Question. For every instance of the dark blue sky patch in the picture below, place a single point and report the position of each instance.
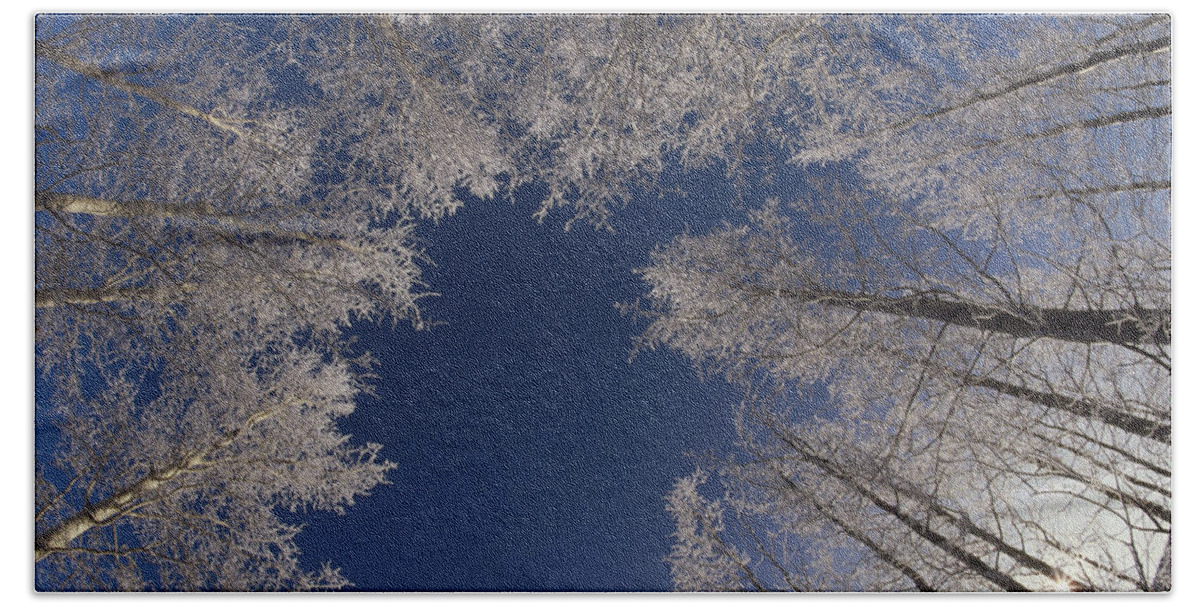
(532, 453)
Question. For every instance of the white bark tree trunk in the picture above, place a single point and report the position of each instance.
(59, 536)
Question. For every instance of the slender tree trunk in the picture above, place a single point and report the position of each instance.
(201, 213)
(964, 523)
(1092, 61)
(1129, 479)
(1150, 508)
(865, 540)
(1124, 453)
(1108, 189)
(119, 502)
(917, 525)
(888, 557)
(936, 508)
(973, 562)
(51, 297)
(1086, 408)
(1162, 574)
(49, 52)
(1108, 120)
(90, 205)
(1117, 326)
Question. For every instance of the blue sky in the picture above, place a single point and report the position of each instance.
(533, 454)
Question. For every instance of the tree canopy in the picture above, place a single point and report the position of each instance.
(991, 325)
(954, 340)
(192, 279)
